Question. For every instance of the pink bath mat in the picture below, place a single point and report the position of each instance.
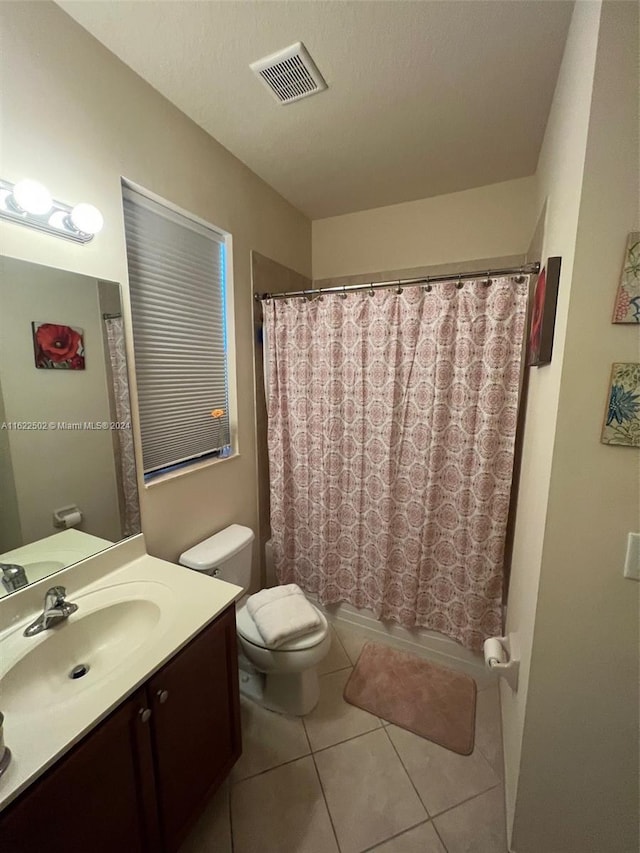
(428, 700)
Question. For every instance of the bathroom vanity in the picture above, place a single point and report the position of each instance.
(125, 757)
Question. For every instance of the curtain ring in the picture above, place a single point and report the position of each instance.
(459, 284)
(371, 293)
(343, 295)
(398, 288)
(427, 287)
(487, 283)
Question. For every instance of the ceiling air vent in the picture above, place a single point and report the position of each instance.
(289, 74)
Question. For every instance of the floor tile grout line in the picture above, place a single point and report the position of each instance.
(326, 803)
(306, 734)
(333, 671)
(355, 737)
(435, 829)
(340, 643)
(263, 772)
(346, 740)
(373, 848)
(353, 662)
(312, 751)
(500, 773)
(424, 805)
(468, 800)
(381, 725)
(477, 746)
(393, 746)
(431, 817)
(269, 769)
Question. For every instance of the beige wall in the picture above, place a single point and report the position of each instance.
(488, 222)
(10, 531)
(78, 119)
(558, 183)
(56, 468)
(578, 786)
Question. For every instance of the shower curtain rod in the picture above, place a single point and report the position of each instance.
(524, 269)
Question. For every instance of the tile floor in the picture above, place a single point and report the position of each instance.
(343, 781)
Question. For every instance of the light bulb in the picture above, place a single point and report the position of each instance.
(87, 218)
(32, 196)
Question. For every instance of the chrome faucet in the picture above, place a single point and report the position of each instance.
(56, 610)
(13, 576)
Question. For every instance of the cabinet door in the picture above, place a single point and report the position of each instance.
(97, 798)
(195, 725)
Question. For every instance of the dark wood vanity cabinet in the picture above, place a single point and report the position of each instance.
(137, 782)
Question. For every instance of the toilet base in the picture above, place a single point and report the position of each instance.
(294, 693)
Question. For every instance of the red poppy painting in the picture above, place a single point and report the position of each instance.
(543, 314)
(58, 347)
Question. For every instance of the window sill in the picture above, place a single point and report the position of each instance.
(189, 469)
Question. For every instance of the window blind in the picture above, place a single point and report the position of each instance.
(177, 283)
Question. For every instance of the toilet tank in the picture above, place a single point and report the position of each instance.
(225, 555)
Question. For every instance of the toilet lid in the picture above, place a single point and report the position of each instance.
(248, 630)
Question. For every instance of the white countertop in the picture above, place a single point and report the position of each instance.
(46, 556)
(189, 601)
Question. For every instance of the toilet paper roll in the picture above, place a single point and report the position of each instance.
(494, 652)
(72, 519)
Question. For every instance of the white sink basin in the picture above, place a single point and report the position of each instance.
(41, 569)
(111, 626)
(47, 556)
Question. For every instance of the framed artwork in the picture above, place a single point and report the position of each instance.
(58, 347)
(627, 307)
(543, 314)
(622, 418)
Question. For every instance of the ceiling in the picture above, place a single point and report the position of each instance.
(424, 97)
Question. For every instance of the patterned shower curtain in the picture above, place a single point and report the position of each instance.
(392, 420)
(127, 483)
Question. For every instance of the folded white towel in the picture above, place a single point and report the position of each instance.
(282, 613)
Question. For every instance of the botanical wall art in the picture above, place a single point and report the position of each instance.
(543, 316)
(627, 307)
(59, 347)
(622, 419)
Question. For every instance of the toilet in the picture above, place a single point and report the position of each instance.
(283, 679)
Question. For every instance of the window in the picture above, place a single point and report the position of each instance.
(177, 286)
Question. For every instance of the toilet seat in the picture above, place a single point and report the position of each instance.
(248, 630)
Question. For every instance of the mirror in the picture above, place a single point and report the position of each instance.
(68, 484)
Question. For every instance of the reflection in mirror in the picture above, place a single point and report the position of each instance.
(67, 469)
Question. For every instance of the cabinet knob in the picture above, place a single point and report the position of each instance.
(144, 714)
(162, 695)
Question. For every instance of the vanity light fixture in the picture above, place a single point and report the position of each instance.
(29, 203)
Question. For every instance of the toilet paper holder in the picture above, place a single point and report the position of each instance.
(501, 656)
(67, 516)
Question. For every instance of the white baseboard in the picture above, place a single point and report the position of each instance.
(419, 641)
